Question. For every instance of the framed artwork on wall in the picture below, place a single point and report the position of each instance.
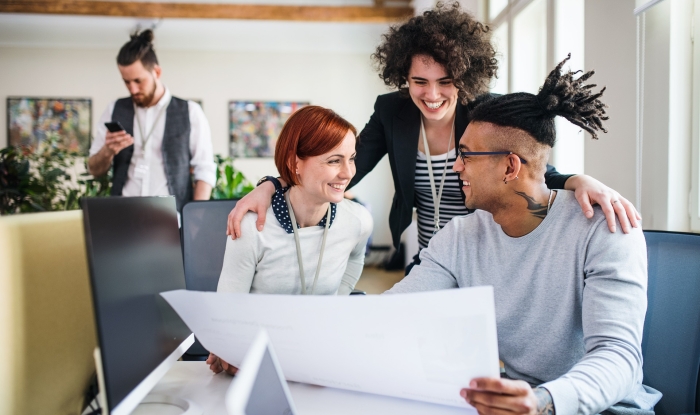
(33, 120)
(255, 125)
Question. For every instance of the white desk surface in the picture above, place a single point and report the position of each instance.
(194, 381)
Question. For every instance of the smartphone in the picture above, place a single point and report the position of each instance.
(114, 126)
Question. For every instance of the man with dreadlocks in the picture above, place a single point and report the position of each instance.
(570, 296)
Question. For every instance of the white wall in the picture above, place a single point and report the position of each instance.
(667, 116)
(665, 146)
(695, 134)
(610, 42)
(655, 123)
(680, 115)
(325, 64)
(656, 117)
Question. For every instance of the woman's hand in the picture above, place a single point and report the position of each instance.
(589, 190)
(256, 201)
(217, 365)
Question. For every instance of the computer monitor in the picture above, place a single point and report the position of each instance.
(259, 387)
(134, 254)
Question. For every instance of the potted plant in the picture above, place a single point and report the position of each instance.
(230, 183)
(38, 179)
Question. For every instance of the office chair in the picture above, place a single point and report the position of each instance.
(204, 242)
(47, 324)
(203, 247)
(671, 341)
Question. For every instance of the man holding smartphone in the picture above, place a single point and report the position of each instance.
(155, 143)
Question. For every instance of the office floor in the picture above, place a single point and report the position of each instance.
(377, 280)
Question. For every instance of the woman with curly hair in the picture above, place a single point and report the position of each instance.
(441, 63)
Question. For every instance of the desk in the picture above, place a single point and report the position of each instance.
(194, 381)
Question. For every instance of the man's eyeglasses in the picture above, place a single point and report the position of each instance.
(465, 154)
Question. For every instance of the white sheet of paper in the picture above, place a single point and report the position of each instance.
(422, 346)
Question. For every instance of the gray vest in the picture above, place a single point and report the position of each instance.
(175, 148)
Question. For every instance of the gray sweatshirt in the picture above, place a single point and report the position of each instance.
(570, 301)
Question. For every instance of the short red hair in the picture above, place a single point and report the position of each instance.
(310, 131)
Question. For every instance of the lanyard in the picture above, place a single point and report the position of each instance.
(436, 196)
(296, 239)
(144, 137)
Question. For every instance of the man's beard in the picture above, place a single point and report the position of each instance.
(146, 100)
(486, 203)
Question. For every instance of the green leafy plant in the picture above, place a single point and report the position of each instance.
(38, 179)
(88, 186)
(14, 181)
(230, 183)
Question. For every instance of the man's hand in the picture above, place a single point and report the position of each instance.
(589, 190)
(116, 142)
(99, 163)
(217, 365)
(256, 201)
(495, 396)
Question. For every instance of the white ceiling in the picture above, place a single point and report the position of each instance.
(57, 31)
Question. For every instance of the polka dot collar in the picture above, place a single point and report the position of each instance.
(279, 207)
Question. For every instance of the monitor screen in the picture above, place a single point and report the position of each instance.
(133, 248)
(259, 387)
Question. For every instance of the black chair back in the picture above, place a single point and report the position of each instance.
(204, 242)
(203, 247)
(671, 342)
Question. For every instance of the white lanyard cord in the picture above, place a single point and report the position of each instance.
(144, 137)
(436, 196)
(296, 239)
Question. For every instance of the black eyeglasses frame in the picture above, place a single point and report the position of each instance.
(463, 154)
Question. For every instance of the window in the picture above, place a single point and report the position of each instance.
(529, 53)
(496, 7)
(531, 37)
(500, 42)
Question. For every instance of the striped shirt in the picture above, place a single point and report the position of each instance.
(451, 204)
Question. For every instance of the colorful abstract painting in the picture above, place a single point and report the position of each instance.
(255, 125)
(33, 120)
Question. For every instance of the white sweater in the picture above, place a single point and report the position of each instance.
(266, 262)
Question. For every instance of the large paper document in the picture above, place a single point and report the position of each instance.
(422, 346)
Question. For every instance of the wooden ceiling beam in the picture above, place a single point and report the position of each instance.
(208, 11)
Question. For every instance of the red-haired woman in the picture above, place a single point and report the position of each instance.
(315, 239)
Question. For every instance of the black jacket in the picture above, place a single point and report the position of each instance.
(393, 129)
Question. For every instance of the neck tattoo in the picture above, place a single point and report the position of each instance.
(537, 209)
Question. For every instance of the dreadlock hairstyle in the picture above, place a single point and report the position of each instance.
(139, 48)
(560, 95)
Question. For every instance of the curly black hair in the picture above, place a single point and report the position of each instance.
(561, 95)
(449, 35)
